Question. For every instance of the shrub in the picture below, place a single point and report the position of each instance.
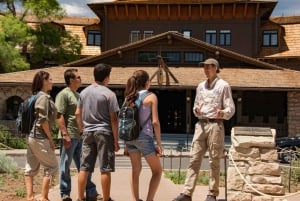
(11, 141)
(7, 164)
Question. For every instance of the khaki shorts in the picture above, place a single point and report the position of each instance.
(97, 144)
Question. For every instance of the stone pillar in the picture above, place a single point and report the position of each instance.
(255, 158)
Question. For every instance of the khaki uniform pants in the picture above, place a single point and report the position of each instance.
(208, 136)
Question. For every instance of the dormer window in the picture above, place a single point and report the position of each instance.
(94, 38)
(270, 38)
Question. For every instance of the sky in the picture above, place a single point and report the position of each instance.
(80, 8)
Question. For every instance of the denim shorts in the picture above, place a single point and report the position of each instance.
(144, 144)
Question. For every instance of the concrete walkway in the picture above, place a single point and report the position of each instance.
(120, 189)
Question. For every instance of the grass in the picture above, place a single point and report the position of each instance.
(203, 178)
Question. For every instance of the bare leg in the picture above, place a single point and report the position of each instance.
(136, 165)
(29, 187)
(45, 187)
(82, 180)
(105, 182)
(156, 169)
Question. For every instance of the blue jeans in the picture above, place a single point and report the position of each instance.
(66, 156)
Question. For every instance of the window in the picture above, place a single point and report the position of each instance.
(134, 36)
(211, 37)
(94, 38)
(147, 57)
(225, 37)
(270, 38)
(193, 57)
(187, 33)
(171, 56)
(148, 34)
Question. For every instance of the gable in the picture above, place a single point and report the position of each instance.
(127, 55)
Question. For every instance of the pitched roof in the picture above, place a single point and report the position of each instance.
(67, 20)
(188, 77)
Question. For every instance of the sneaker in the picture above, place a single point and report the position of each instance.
(66, 198)
(211, 198)
(183, 197)
(98, 197)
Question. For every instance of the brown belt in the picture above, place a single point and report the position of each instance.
(207, 120)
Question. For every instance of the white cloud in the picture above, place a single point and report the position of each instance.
(75, 9)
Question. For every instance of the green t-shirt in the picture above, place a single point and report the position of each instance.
(66, 103)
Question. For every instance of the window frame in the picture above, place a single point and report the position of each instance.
(268, 36)
(225, 37)
(211, 35)
(193, 55)
(94, 39)
(148, 33)
(132, 36)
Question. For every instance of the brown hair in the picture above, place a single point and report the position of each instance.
(37, 83)
(135, 83)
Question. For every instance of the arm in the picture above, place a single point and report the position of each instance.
(114, 127)
(156, 123)
(228, 104)
(45, 126)
(78, 115)
(62, 126)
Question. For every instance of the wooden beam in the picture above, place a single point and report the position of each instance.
(211, 10)
(157, 8)
(178, 6)
(147, 10)
(223, 10)
(257, 8)
(245, 9)
(169, 11)
(137, 10)
(190, 11)
(116, 11)
(200, 10)
(234, 10)
(105, 10)
(126, 10)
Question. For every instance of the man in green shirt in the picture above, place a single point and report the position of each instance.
(71, 143)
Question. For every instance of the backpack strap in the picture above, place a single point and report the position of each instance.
(139, 101)
(141, 97)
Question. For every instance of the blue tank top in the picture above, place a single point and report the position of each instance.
(145, 117)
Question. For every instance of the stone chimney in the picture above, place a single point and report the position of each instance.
(255, 156)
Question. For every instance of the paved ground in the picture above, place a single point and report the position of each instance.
(120, 190)
(121, 186)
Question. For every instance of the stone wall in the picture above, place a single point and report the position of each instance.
(293, 113)
(6, 92)
(253, 168)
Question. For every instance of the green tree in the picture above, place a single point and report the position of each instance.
(21, 45)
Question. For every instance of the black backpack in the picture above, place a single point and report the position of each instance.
(26, 118)
(128, 118)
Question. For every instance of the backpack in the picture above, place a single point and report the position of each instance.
(128, 119)
(25, 118)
